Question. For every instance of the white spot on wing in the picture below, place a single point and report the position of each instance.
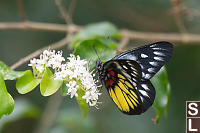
(156, 48)
(144, 55)
(144, 93)
(143, 74)
(133, 74)
(141, 98)
(159, 53)
(125, 67)
(153, 63)
(134, 84)
(147, 76)
(158, 58)
(134, 79)
(151, 70)
(153, 45)
(133, 68)
(141, 66)
(130, 64)
(145, 86)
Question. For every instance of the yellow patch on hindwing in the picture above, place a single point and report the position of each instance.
(128, 84)
(132, 92)
(123, 85)
(121, 77)
(123, 94)
(112, 94)
(121, 99)
(129, 101)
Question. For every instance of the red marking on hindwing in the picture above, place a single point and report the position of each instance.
(109, 83)
(111, 80)
(111, 72)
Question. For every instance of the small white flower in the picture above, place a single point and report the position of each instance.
(72, 91)
(33, 62)
(91, 96)
(56, 60)
(71, 84)
(72, 88)
(87, 96)
(58, 76)
(40, 66)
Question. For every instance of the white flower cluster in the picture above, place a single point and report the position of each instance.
(47, 59)
(74, 72)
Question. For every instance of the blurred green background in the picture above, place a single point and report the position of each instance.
(142, 15)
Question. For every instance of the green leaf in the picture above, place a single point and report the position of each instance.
(6, 100)
(82, 102)
(106, 49)
(8, 73)
(13, 75)
(97, 30)
(163, 92)
(48, 85)
(4, 69)
(26, 82)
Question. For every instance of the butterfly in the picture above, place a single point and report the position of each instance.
(127, 76)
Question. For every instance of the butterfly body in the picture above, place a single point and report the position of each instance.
(126, 76)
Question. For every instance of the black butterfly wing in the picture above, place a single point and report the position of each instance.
(123, 82)
(147, 94)
(150, 57)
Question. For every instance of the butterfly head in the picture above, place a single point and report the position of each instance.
(100, 68)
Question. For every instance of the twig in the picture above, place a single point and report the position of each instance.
(72, 7)
(39, 26)
(63, 11)
(49, 114)
(56, 45)
(21, 10)
(124, 41)
(176, 9)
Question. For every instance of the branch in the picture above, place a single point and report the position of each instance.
(171, 37)
(124, 41)
(176, 9)
(56, 45)
(72, 7)
(39, 26)
(21, 10)
(132, 35)
(63, 11)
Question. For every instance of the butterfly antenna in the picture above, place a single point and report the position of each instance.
(96, 53)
